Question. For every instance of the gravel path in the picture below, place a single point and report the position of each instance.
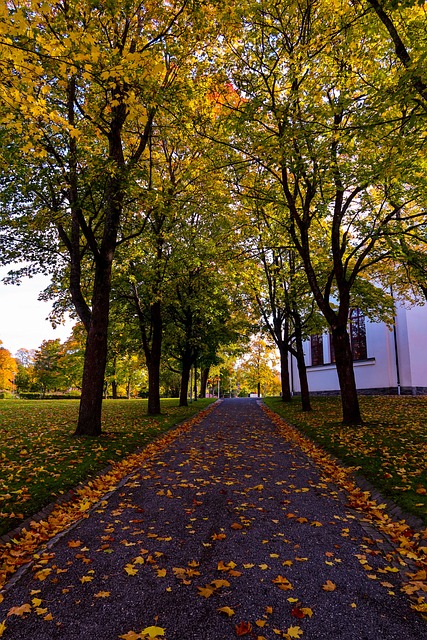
(231, 517)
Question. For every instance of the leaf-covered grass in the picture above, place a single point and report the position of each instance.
(40, 459)
(390, 448)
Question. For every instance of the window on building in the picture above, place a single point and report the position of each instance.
(316, 349)
(358, 334)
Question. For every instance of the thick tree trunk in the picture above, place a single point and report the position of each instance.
(154, 388)
(284, 373)
(259, 389)
(204, 375)
(95, 357)
(185, 378)
(344, 363)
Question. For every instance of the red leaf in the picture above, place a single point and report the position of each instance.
(243, 628)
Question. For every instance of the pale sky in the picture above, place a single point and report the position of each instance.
(23, 318)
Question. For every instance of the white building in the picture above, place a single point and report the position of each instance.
(386, 361)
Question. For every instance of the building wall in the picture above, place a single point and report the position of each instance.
(379, 373)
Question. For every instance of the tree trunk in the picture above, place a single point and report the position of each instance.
(153, 356)
(154, 388)
(344, 363)
(302, 369)
(259, 389)
(195, 383)
(303, 380)
(185, 377)
(95, 357)
(204, 375)
(284, 373)
(114, 389)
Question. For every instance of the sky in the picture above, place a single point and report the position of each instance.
(23, 322)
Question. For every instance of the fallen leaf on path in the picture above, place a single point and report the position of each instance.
(153, 632)
(226, 610)
(243, 628)
(19, 611)
(329, 586)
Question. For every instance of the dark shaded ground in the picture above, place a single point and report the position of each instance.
(229, 491)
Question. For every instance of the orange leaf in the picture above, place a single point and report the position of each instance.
(329, 586)
(19, 611)
(236, 526)
(218, 536)
(73, 544)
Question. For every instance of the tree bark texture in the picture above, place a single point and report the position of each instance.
(153, 357)
(204, 375)
(95, 361)
(302, 369)
(284, 373)
(344, 363)
(185, 378)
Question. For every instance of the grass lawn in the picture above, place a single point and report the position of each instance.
(390, 448)
(40, 459)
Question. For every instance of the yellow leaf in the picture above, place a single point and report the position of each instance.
(102, 594)
(48, 617)
(130, 570)
(294, 632)
(86, 579)
(307, 611)
(42, 575)
(153, 632)
(2, 628)
(161, 573)
(283, 583)
(206, 591)
(220, 583)
(36, 602)
(227, 610)
(260, 623)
